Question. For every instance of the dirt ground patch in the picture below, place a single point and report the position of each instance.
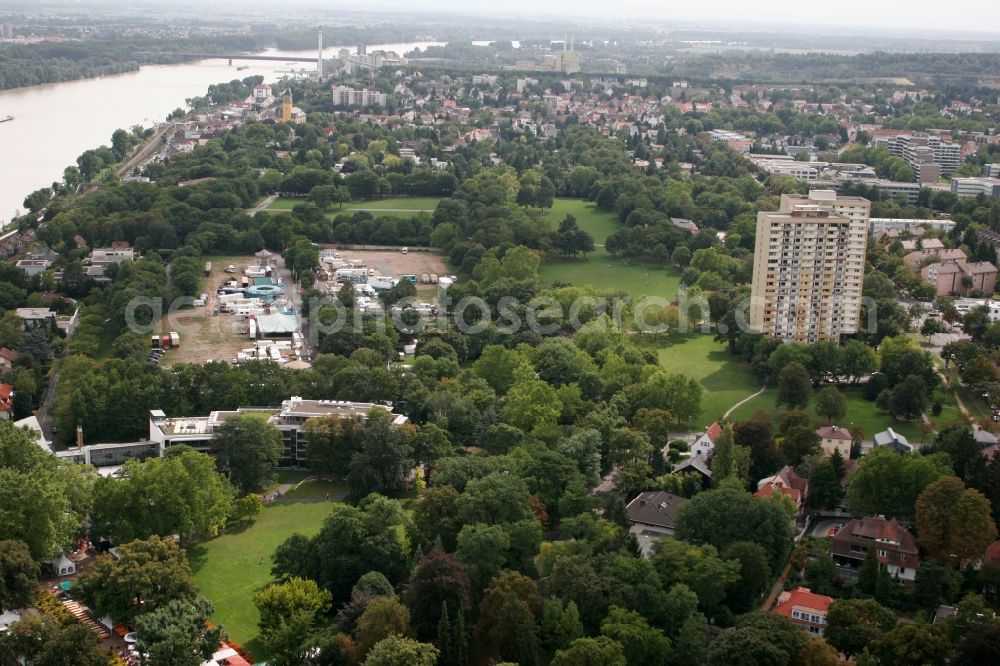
(207, 337)
(395, 263)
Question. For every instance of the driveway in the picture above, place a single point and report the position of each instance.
(822, 529)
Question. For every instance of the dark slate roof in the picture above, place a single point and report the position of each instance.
(655, 508)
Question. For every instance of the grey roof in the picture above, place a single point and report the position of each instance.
(655, 508)
(890, 437)
(984, 438)
(697, 463)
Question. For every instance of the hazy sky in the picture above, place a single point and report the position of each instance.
(974, 15)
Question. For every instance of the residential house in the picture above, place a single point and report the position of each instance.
(705, 444)
(921, 244)
(804, 608)
(989, 567)
(960, 277)
(893, 439)
(33, 267)
(984, 438)
(35, 317)
(834, 438)
(6, 401)
(921, 257)
(7, 358)
(685, 224)
(111, 255)
(653, 515)
(788, 483)
(895, 546)
(697, 464)
(31, 424)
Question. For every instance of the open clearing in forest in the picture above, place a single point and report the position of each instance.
(600, 269)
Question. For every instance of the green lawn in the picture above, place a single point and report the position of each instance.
(397, 203)
(228, 569)
(316, 489)
(600, 269)
(860, 412)
(725, 379)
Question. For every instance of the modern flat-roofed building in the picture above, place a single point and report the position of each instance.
(973, 187)
(809, 266)
(198, 431)
(344, 96)
(879, 224)
(922, 150)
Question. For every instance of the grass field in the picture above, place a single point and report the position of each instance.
(725, 379)
(860, 412)
(228, 569)
(317, 489)
(408, 204)
(600, 269)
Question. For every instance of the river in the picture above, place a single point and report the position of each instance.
(54, 123)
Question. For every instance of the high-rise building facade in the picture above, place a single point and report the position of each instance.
(809, 265)
(344, 96)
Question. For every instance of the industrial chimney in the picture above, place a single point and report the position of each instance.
(319, 56)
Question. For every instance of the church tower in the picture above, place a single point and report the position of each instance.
(286, 105)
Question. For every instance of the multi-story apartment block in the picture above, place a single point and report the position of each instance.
(923, 151)
(344, 96)
(973, 187)
(809, 266)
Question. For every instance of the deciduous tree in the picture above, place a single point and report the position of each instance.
(954, 522)
(246, 449)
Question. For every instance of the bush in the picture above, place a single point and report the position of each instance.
(679, 445)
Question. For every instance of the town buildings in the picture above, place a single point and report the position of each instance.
(895, 547)
(809, 267)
